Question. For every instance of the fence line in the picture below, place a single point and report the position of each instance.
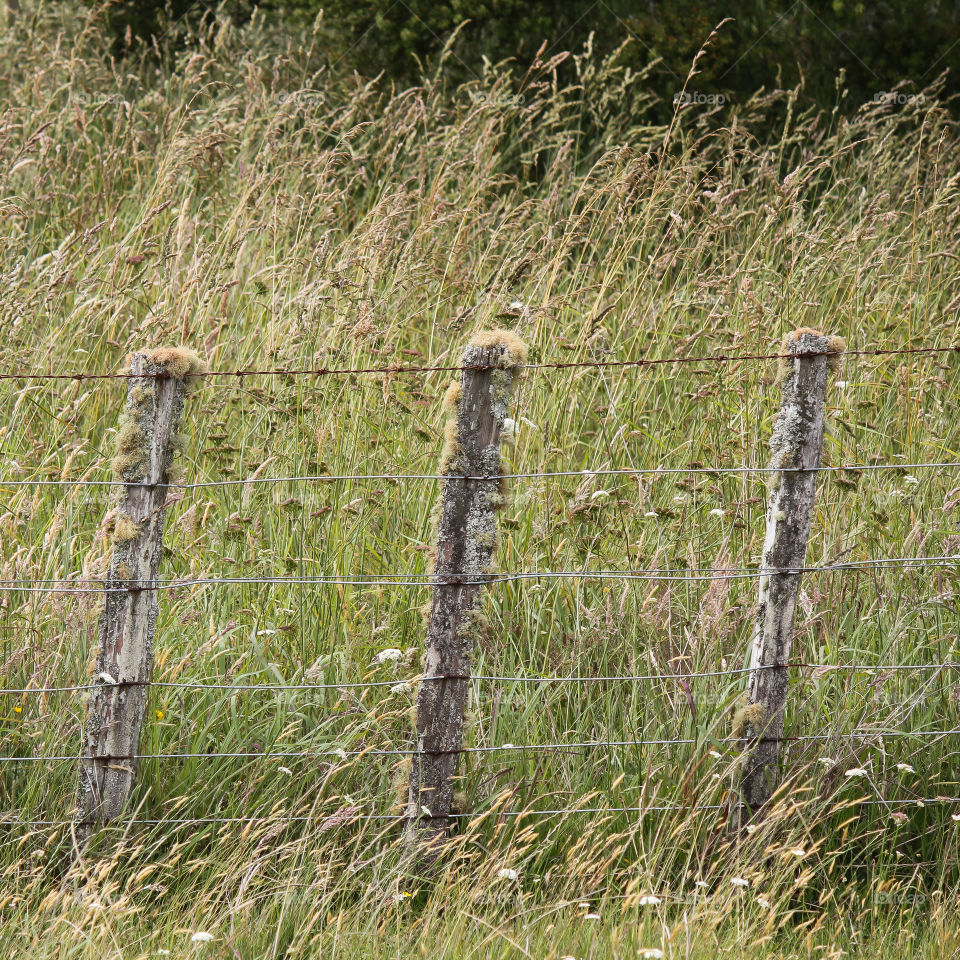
(492, 678)
(503, 748)
(557, 365)
(342, 818)
(671, 574)
(586, 472)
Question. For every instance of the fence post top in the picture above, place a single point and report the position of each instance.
(808, 340)
(514, 350)
(180, 363)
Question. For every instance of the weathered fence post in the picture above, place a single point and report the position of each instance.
(466, 540)
(797, 445)
(147, 442)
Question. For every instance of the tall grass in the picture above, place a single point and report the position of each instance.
(235, 200)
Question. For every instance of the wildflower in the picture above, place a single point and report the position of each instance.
(752, 828)
(18, 709)
(906, 768)
(855, 772)
(651, 513)
(799, 852)
(591, 916)
(391, 654)
(599, 493)
(341, 753)
(716, 754)
(739, 882)
(842, 384)
(400, 688)
(910, 480)
(898, 816)
(286, 770)
(650, 953)
(648, 900)
(201, 936)
(159, 714)
(516, 306)
(763, 902)
(701, 883)
(953, 816)
(717, 512)
(106, 678)
(505, 873)
(827, 761)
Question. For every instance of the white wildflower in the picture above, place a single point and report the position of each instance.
(955, 817)
(201, 936)
(701, 883)
(842, 384)
(752, 828)
(648, 900)
(599, 493)
(827, 761)
(764, 902)
(799, 852)
(739, 882)
(391, 654)
(591, 916)
(505, 873)
(716, 754)
(651, 513)
(906, 768)
(650, 953)
(286, 770)
(341, 753)
(717, 512)
(910, 480)
(855, 772)
(400, 688)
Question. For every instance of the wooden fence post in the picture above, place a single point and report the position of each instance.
(797, 445)
(146, 445)
(466, 540)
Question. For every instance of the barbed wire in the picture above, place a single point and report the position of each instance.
(502, 748)
(344, 817)
(534, 475)
(719, 358)
(674, 574)
(481, 677)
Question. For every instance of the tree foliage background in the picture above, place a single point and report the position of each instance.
(877, 45)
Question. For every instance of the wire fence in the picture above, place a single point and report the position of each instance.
(80, 584)
(393, 369)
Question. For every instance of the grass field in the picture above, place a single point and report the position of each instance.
(271, 217)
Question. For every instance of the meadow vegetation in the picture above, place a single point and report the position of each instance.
(237, 201)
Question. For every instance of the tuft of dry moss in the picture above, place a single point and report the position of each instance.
(451, 398)
(451, 447)
(835, 347)
(514, 352)
(750, 716)
(125, 529)
(180, 362)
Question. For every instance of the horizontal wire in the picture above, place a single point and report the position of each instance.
(343, 818)
(504, 748)
(680, 574)
(617, 472)
(493, 678)
(558, 365)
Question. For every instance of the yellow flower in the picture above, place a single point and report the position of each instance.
(18, 709)
(159, 714)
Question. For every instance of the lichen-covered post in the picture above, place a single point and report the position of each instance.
(148, 441)
(797, 445)
(466, 540)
